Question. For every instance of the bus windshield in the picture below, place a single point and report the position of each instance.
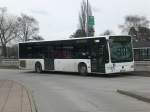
(120, 49)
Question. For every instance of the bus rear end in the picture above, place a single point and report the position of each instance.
(121, 55)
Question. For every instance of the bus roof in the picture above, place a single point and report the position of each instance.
(105, 36)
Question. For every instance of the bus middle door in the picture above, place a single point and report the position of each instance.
(97, 63)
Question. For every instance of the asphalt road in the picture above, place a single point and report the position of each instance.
(60, 92)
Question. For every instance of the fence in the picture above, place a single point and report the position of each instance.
(9, 62)
(142, 65)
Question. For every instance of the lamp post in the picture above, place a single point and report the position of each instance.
(87, 18)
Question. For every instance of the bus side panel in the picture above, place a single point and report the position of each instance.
(70, 65)
(49, 64)
(29, 64)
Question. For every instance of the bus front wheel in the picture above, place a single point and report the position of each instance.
(82, 69)
(38, 68)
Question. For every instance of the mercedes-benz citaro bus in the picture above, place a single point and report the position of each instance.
(103, 55)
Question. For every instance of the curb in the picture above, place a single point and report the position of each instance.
(32, 100)
(134, 95)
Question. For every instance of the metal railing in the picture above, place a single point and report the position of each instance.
(9, 62)
(142, 65)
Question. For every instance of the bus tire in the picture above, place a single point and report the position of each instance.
(82, 69)
(38, 67)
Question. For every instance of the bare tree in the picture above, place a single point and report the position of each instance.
(78, 33)
(37, 37)
(28, 28)
(83, 16)
(137, 27)
(13, 51)
(8, 27)
(134, 21)
(82, 30)
(107, 32)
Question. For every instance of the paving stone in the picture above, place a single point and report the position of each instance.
(14, 97)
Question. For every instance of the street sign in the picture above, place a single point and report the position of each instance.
(91, 21)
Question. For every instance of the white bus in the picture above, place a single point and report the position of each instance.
(105, 55)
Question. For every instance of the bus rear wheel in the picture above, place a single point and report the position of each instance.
(82, 69)
(38, 68)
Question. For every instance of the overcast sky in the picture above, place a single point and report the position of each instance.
(58, 19)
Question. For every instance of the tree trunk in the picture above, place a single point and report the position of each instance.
(4, 50)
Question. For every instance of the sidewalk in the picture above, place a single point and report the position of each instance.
(14, 97)
(143, 96)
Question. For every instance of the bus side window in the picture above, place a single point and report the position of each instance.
(50, 52)
(79, 52)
